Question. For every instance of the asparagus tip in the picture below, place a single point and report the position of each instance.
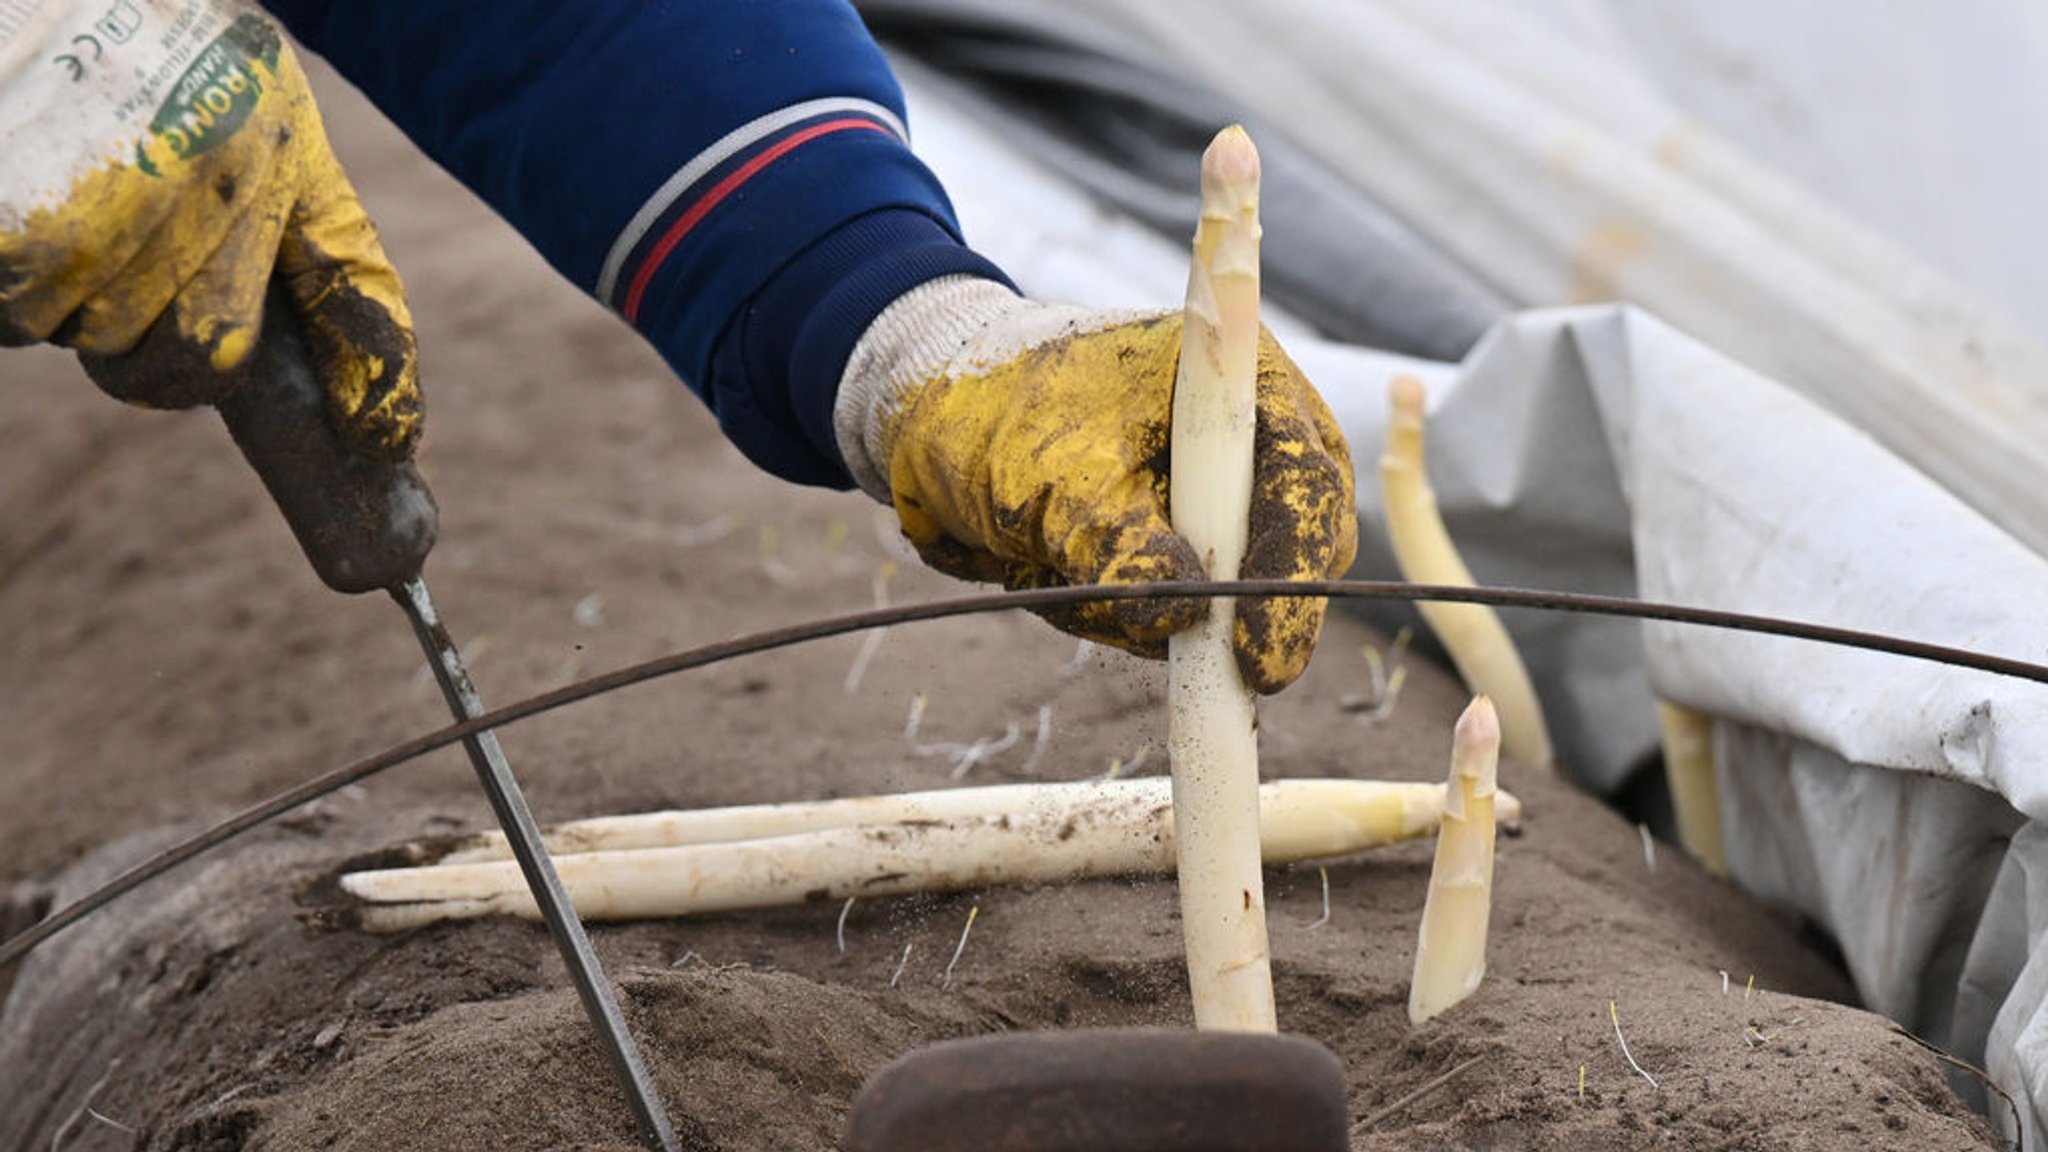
(1478, 727)
(1231, 162)
(1407, 394)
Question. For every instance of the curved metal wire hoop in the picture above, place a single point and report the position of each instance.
(22, 943)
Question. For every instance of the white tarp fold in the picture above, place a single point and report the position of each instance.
(1599, 449)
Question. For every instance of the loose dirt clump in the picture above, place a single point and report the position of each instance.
(170, 658)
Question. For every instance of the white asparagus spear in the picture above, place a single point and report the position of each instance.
(1211, 731)
(1450, 950)
(1695, 792)
(1471, 633)
(938, 841)
(1381, 812)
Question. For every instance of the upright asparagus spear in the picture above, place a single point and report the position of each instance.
(1472, 633)
(1695, 794)
(1211, 715)
(1450, 951)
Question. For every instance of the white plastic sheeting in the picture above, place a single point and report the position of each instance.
(1130, 131)
(1560, 178)
(1923, 121)
(1603, 449)
(1603, 444)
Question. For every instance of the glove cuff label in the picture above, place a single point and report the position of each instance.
(88, 83)
(215, 95)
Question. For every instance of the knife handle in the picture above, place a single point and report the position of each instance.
(364, 524)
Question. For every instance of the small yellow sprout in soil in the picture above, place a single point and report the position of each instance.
(1450, 951)
(1471, 633)
(1614, 1014)
(946, 982)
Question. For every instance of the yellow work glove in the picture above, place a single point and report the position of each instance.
(1026, 444)
(163, 162)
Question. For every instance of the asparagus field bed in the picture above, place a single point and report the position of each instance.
(170, 657)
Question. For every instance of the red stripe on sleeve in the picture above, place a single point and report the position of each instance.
(673, 235)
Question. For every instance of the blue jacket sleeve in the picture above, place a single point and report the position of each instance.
(731, 176)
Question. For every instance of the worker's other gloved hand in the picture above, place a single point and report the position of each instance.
(163, 160)
(1027, 444)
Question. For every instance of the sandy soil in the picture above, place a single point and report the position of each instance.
(170, 657)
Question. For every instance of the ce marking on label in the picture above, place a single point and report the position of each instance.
(116, 25)
(77, 63)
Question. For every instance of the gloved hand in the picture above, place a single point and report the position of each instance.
(1027, 444)
(164, 162)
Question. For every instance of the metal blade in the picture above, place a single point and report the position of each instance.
(517, 821)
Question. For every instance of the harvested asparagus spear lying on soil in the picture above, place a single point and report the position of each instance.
(761, 856)
(1350, 815)
(1472, 634)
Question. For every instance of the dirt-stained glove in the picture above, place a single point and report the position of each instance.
(1027, 444)
(164, 161)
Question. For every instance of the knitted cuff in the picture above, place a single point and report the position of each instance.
(947, 329)
(914, 340)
